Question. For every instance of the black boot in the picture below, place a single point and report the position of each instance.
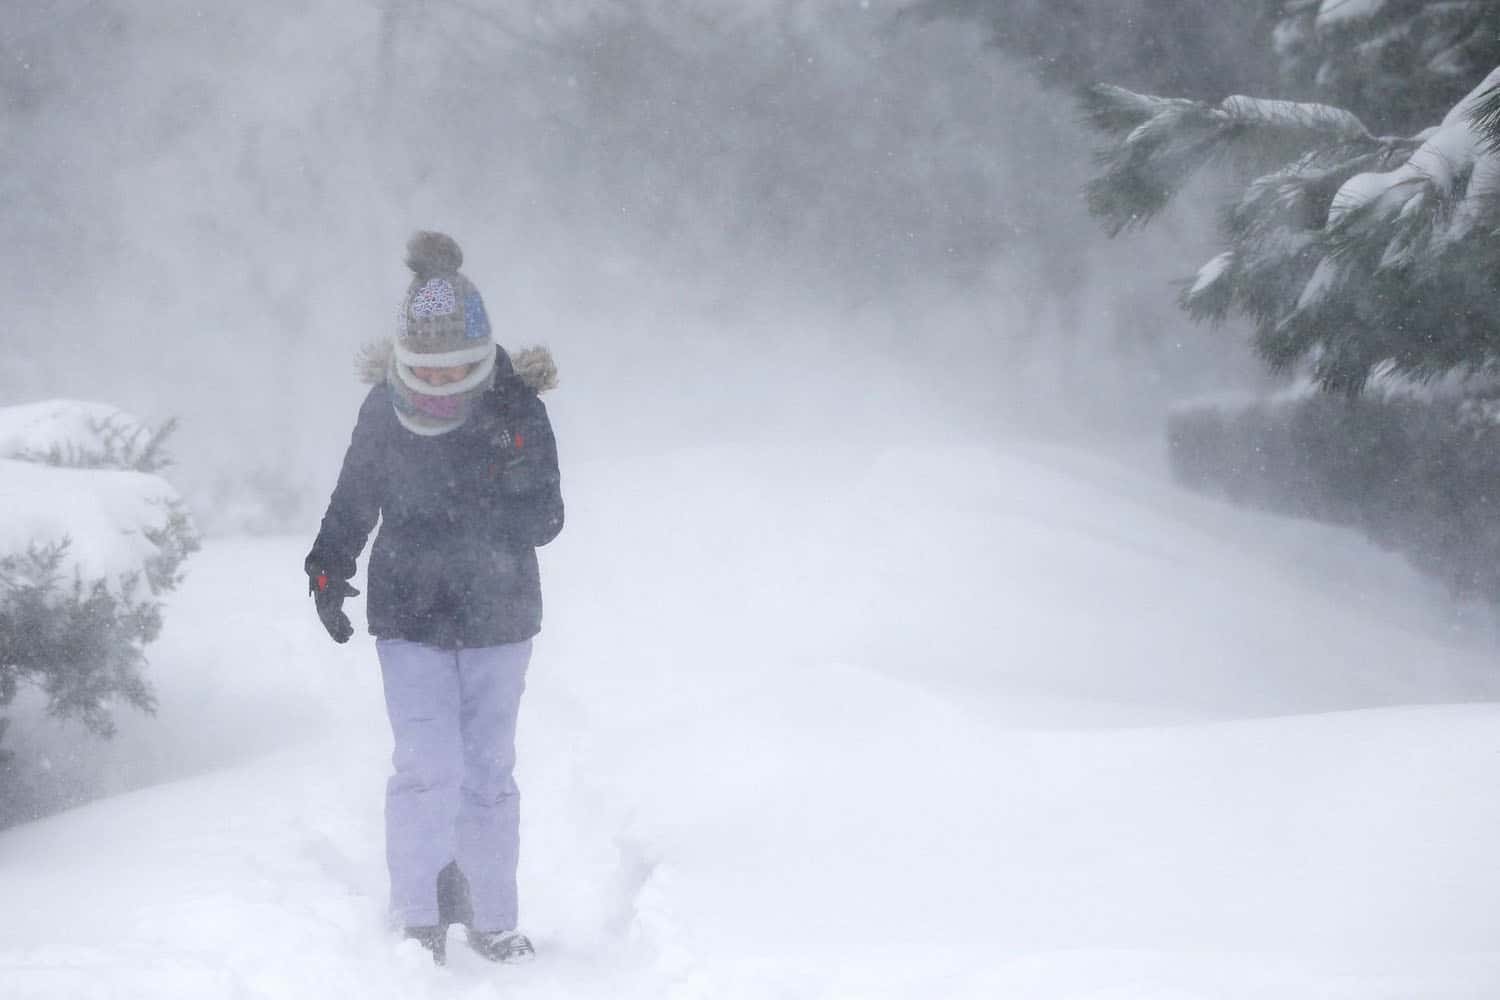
(510, 947)
(453, 896)
(434, 939)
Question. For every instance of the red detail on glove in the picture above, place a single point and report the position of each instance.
(520, 441)
(322, 581)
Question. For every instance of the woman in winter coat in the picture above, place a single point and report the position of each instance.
(453, 454)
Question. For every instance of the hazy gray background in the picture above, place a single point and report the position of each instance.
(726, 219)
(831, 635)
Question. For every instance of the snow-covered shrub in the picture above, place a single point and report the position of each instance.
(92, 538)
(1416, 468)
(81, 643)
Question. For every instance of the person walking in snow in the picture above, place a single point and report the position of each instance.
(453, 453)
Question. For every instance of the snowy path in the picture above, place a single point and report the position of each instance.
(966, 725)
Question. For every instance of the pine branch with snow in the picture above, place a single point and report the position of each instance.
(1486, 117)
(1401, 62)
(1162, 142)
(112, 442)
(1355, 254)
(78, 641)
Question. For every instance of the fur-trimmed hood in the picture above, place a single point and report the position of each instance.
(534, 366)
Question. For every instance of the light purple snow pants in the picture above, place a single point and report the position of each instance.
(452, 796)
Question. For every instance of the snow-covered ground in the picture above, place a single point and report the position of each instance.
(970, 723)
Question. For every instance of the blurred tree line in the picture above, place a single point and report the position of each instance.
(1198, 48)
(832, 150)
(234, 172)
(774, 141)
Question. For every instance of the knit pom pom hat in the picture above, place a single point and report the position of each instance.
(442, 325)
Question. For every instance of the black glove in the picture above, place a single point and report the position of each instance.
(328, 593)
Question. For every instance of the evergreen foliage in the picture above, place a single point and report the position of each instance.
(80, 641)
(1164, 141)
(1364, 258)
(1400, 63)
(115, 444)
(1486, 118)
(1351, 250)
(1356, 254)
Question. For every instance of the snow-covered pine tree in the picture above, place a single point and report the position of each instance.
(1399, 63)
(1351, 252)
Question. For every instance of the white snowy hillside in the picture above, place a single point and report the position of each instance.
(936, 723)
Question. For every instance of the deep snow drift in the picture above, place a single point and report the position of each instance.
(104, 513)
(922, 723)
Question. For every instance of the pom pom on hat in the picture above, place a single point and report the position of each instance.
(429, 254)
